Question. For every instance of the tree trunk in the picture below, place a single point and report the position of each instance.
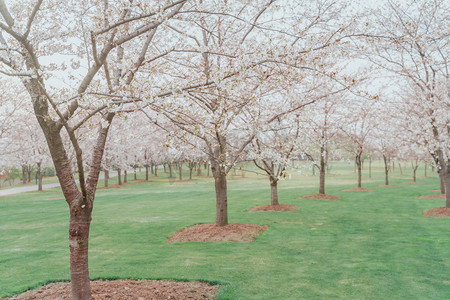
(220, 180)
(441, 181)
(191, 169)
(170, 170)
(135, 171)
(322, 173)
(180, 168)
(370, 167)
(414, 174)
(119, 178)
(24, 174)
(106, 177)
(29, 170)
(146, 172)
(358, 166)
(425, 169)
(151, 167)
(447, 184)
(273, 191)
(199, 170)
(208, 171)
(156, 170)
(386, 170)
(125, 179)
(322, 181)
(80, 220)
(164, 166)
(39, 176)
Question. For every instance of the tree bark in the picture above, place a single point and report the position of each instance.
(400, 166)
(119, 178)
(322, 173)
(414, 167)
(125, 179)
(191, 169)
(29, 170)
(273, 191)
(135, 173)
(106, 177)
(425, 169)
(220, 181)
(24, 174)
(180, 168)
(151, 167)
(199, 169)
(358, 166)
(170, 170)
(80, 220)
(39, 176)
(441, 181)
(447, 184)
(156, 170)
(146, 172)
(386, 170)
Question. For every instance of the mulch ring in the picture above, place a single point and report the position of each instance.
(212, 233)
(321, 197)
(389, 186)
(439, 212)
(358, 190)
(279, 207)
(436, 196)
(126, 290)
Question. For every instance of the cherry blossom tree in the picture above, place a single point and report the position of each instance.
(356, 132)
(234, 49)
(273, 149)
(410, 40)
(321, 124)
(88, 33)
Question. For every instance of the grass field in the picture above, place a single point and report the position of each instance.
(367, 245)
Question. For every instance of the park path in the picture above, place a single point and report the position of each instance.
(34, 188)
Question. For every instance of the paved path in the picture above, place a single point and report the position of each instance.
(34, 188)
(24, 189)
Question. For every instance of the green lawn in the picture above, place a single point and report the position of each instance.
(367, 245)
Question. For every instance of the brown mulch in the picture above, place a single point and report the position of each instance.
(279, 207)
(358, 190)
(439, 212)
(412, 182)
(321, 197)
(389, 186)
(126, 290)
(211, 233)
(436, 196)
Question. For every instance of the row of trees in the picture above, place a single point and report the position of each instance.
(220, 80)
